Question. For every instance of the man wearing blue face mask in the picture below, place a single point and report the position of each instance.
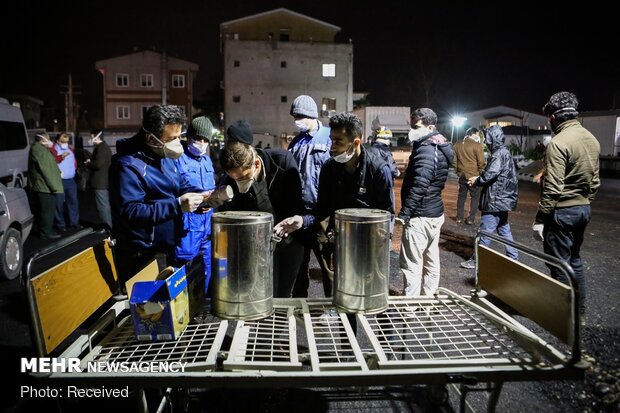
(353, 178)
(311, 150)
(265, 180)
(197, 171)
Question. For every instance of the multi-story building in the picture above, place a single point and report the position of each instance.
(271, 58)
(134, 82)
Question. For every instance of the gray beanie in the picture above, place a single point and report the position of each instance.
(201, 126)
(304, 105)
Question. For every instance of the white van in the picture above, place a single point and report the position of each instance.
(14, 146)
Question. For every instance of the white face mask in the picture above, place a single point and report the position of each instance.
(64, 145)
(301, 125)
(172, 149)
(416, 134)
(345, 156)
(244, 185)
(197, 148)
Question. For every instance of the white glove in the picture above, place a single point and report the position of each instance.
(219, 196)
(538, 231)
(288, 225)
(190, 201)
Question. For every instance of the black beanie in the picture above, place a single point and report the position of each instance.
(240, 131)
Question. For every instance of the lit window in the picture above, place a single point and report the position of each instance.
(122, 112)
(178, 81)
(502, 123)
(329, 70)
(122, 80)
(146, 80)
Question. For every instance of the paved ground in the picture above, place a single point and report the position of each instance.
(602, 332)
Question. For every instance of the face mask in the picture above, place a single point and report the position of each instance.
(345, 156)
(64, 145)
(301, 125)
(416, 134)
(244, 185)
(172, 149)
(197, 148)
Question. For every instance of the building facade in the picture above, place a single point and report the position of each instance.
(271, 58)
(134, 82)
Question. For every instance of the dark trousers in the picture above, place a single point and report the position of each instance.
(102, 199)
(563, 236)
(46, 207)
(315, 241)
(67, 203)
(474, 195)
(286, 261)
(129, 261)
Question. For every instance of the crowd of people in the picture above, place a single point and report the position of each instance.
(158, 193)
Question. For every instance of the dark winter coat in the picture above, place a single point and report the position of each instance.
(499, 182)
(425, 177)
(99, 166)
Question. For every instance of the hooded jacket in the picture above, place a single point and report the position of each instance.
(499, 182)
(425, 177)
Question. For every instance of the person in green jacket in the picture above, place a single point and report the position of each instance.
(44, 181)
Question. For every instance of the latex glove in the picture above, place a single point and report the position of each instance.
(219, 196)
(190, 201)
(538, 231)
(288, 225)
(472, 181)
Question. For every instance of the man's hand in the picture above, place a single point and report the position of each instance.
(537, 231)
(472, 181)
(400, 221)
(190, 201)
(288, 225)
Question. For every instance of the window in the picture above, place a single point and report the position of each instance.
(122, 112)
(236, 63)
(122, 80)
(284, 35)
(283, 63)
(12, 136)
(328, 106)
(502, 123)
(329, 70)
(237, 99)
(283, 99)
(178, 81)
(146, 80)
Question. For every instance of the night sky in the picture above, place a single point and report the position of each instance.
(451, 58)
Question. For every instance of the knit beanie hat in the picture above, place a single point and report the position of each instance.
(201, 127)
(240, 131)
(305, 106)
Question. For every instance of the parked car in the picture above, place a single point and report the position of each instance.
(14, 146)
(15, 225)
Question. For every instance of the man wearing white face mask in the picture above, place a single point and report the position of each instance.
(196, 168)
(147, 193)
(353, 178)
(99, 165)
(422, 211)
(311, 150)
(67, 203)
(267, 180)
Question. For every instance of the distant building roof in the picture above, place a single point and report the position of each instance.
(394, 121)
(276, 11)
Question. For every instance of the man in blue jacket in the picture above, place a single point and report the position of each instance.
(147, 197)
(310, 148)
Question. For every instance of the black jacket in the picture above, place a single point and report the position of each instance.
(384, 152)
(99, 165)
(499, 182)
(425, 177)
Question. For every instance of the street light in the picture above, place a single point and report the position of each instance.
(457, 121)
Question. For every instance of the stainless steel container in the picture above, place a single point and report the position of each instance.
(362, 260)
(242, 265)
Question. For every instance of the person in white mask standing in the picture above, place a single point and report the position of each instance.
(147, 194)
(196, 167)
(67, 208)
(265, 180)
(353, 178)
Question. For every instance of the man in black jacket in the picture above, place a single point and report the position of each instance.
(500, 188)
(267, 180)
(422, 210)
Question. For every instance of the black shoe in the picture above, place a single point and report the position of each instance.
(53, 235)
(78, 226)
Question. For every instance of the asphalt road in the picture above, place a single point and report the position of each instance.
(601, 335)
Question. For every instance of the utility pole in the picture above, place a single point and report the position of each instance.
(71, 107)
